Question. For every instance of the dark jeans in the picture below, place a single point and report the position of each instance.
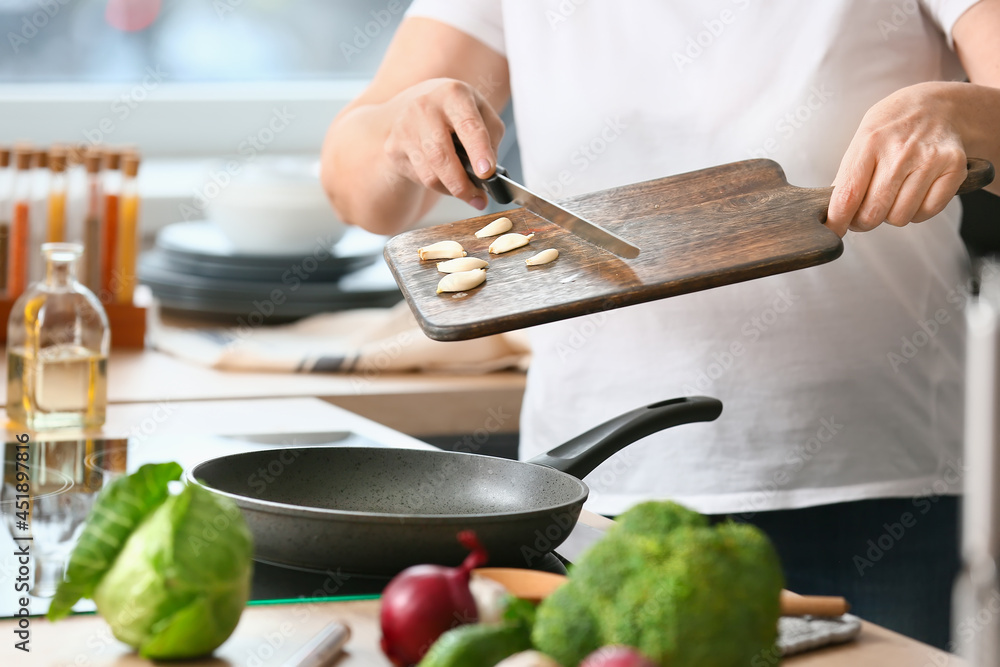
(894, 559)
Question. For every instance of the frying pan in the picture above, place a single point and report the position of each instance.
(376, 511)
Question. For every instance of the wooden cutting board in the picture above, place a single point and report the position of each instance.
(698, 230)
(266, 637)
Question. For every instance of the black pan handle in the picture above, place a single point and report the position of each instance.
(493, 186)
(581, 455)
(981, 174)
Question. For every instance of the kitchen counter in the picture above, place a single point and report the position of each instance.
(267, 634)
(244, 417)
(418, 404)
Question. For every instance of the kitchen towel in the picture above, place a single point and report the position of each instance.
(352, 341)
(797, 634)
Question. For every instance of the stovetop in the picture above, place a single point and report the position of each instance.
(272, 582)
(87, 464)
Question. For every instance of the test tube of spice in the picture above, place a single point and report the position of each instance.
(6, 195)
(91, 263)
(39, 212)
(75, 154)
(17, 257)
(109, 228)
(40, 159)
(39, 182)
(75, 195)
(57, 196)
(128, 225)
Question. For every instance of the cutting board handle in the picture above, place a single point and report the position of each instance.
(981, 174)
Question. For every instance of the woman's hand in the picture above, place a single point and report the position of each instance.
(389, 154)
(905, 163)
(419, 147)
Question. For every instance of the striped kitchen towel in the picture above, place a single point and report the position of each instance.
(358, 341)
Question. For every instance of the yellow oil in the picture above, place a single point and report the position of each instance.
(65, 386)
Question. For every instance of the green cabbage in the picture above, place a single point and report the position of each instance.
(170, 573)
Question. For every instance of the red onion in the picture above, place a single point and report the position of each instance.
(617, 656)
(423, 602)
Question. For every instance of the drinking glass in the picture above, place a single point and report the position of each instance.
(61, 491)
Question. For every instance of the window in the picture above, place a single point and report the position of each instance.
(185, 77)
(194, 40)
(189, 81)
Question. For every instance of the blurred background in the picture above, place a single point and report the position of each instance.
(215, 41)
(188, 82)
(228, 102)
(185, 77)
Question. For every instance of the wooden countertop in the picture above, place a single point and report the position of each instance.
(414, 403)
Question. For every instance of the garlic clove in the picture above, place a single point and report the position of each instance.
(490, 597)
(462, 264)
(442, 250)
(509, 242)
(495, 228)
(528, 659)
(544, 257)
(461, 281)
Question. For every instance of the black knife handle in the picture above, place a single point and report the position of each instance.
(493, 186)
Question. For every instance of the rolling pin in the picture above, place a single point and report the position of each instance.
(793, 604)
(536, 586)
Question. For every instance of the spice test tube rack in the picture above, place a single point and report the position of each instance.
(106, 255)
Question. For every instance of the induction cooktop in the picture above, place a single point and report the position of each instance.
(76, 470)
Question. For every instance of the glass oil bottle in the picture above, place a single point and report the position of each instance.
(57, 349)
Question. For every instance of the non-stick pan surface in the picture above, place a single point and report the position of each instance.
(368, 510)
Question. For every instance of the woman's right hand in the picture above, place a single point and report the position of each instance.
(389, 155)
(419, 146)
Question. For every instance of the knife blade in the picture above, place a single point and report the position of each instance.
(505, 190)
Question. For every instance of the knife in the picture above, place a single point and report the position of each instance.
(504, 191)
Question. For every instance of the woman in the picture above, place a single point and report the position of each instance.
(841, 434)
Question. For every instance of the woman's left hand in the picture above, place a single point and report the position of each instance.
(904, 165)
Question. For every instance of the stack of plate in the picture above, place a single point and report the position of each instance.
(194, 268)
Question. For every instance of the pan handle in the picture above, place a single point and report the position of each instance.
(582, 454)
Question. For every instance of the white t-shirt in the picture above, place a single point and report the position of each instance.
(839, 382)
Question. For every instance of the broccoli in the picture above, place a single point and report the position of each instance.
(683, 592)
